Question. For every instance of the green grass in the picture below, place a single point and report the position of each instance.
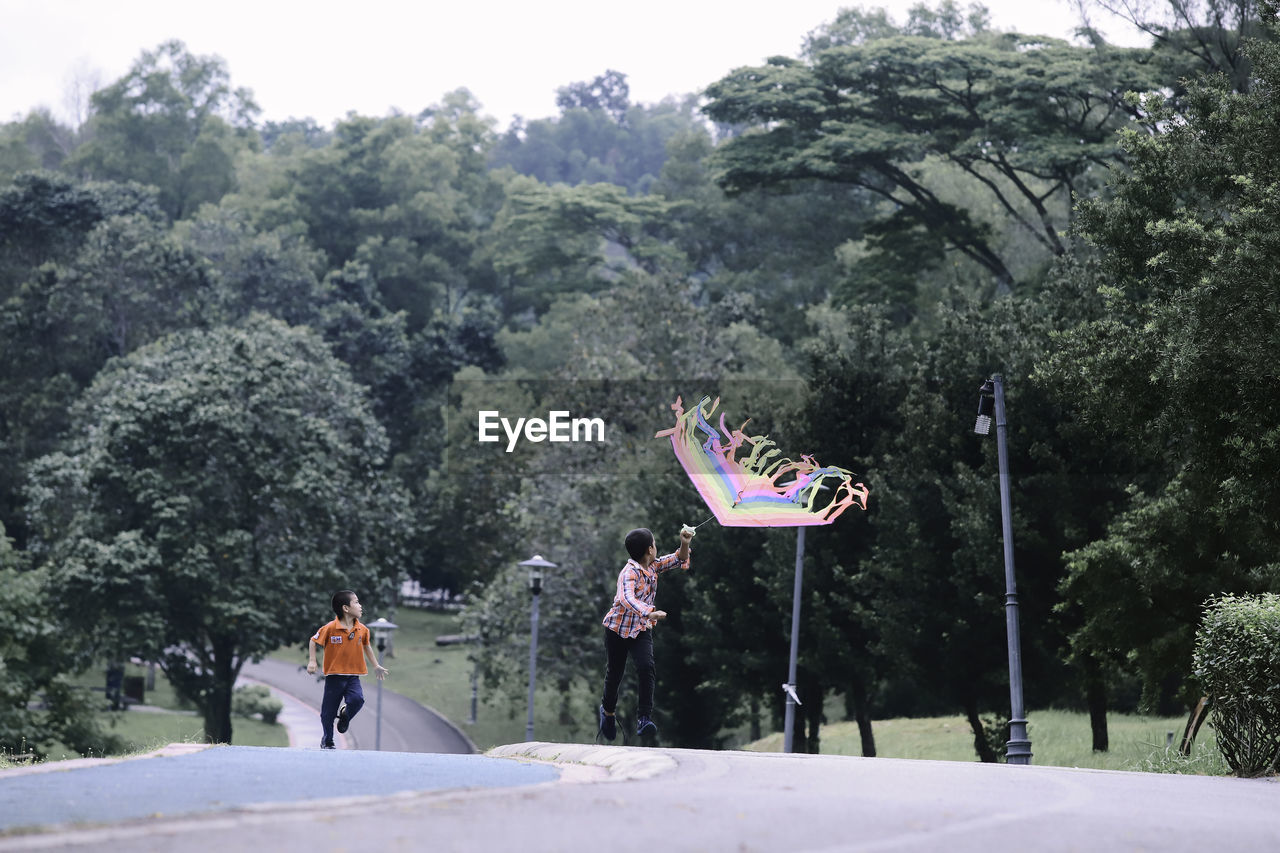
(1058, 738)
(144, 731)
(440, 677)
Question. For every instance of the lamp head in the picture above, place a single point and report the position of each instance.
(986, 405)
(535, 565)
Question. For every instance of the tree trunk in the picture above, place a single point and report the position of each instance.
(813, 711)
(980, 744)
(1096, 696)
(856, 703)
(566, 712)
(754, 716)
(1194, 721)
(217, 704)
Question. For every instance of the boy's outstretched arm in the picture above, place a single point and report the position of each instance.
(373, 663)
(311, 656)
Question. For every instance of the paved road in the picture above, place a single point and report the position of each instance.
(687, 800)
(214, 779)
(407, 726)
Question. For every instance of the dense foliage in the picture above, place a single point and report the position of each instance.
(1237, 659)
(240, 366)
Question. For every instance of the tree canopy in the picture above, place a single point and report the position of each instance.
(215, 485)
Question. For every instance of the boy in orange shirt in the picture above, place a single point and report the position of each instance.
(346, 647)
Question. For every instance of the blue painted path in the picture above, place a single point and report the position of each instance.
(228, 777)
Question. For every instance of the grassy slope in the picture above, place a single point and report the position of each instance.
(440, 677)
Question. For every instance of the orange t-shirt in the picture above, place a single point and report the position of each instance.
(343, 648)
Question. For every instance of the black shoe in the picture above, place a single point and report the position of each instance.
(646, 726)
(608, 724)
(343, 720)
(326, 744)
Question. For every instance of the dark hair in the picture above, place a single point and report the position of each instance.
(638, 542)
(342, 598)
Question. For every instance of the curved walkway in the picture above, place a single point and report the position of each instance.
(407, 726)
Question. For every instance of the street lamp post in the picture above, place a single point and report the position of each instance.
(535, 565)
(788, 736)
(1018, 749)
(788, 725)
(381, 634)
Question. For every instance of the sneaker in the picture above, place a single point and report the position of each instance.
(646, 726)
(608, 724)
(343, 720)
(326, 744)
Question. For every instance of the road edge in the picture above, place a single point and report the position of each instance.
(623, 763)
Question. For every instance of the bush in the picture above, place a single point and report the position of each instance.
(1237, 660)
(256, 699)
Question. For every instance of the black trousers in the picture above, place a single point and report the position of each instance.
(616, 649)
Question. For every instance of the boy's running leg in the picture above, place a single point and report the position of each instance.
(647, 676)
(354, 697)
(333, 689)
(615, 648)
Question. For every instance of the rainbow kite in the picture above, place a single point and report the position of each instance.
(753, 489)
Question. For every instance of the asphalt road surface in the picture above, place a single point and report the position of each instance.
(690, 800)
(230, 777)
(406, 725)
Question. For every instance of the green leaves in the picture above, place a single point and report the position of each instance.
(1237, 660)
(1026, 118)
(217, 487)
(1181, 371)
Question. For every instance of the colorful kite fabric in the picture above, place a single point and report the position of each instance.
(755, 489)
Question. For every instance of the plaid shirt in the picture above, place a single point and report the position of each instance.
(637, 588)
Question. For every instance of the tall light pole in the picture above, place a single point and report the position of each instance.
(788, 725)
(535, 565)
(381, 633)
(1018, 749)
(788, 736)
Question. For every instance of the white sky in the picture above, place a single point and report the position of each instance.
(322, 59)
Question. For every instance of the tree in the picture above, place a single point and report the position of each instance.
(550, 239)
(34, 659)
(1180, 371)
(608, 93)
(217, 487)
(1192, 36)
(37, 142)
(859, 25)
(86, 272)
(1026, 118)
(407, 198)
(599, 137)
(173, 122)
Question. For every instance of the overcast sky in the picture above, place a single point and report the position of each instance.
(322, 59)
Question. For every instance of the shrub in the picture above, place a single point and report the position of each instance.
(1237, 660)
(256, 699)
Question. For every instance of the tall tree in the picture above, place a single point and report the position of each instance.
(173, 122)
(87, 272)
(216, 488)
(1181, 370)
(1025, 118)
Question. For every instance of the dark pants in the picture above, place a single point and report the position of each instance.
(339, 689)
(616, 649)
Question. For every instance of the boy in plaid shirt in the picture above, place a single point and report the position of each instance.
(627, 624)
